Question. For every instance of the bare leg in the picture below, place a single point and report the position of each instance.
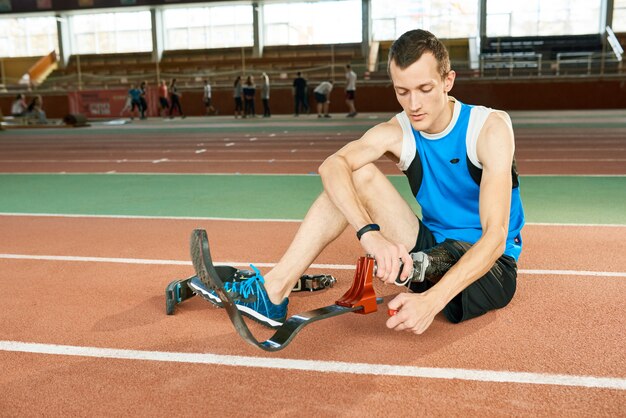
(324, 223)
(386, 206)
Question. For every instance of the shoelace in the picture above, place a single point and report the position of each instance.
(246, 287)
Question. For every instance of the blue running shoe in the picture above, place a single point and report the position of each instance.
(250, 297)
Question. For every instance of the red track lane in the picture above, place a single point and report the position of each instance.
(234, 241)
(539, 151)
(556, 324)
(106, 387)
(110, 304)
(122, 306)
(277, 167)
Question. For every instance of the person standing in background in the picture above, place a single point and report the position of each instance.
(265, 95)
(299, 94)
(350, 91)
(249, 90)
(175, 97)
(237, 93)
(142, 99)
(206, 99)
(322, 93)
(164, 104)
(135, 100)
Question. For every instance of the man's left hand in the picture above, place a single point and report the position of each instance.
(415, 312)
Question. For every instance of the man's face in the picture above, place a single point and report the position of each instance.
(423, 94)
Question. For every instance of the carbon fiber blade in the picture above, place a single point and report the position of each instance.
(205, 270)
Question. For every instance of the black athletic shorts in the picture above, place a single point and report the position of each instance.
(492, 291)
(320, 98)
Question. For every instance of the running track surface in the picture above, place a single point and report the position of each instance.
(83, 329)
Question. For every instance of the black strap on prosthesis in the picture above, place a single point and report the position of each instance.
(306, 283)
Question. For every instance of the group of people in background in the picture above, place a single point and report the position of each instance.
(32, 110)
(244, 93)
(169, 100)
(322, 95)
(136, 100)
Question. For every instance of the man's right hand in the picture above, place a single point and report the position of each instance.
(387, 256)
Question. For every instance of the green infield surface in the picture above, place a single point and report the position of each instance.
(549, 199)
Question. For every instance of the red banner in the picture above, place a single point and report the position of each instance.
(98, 104)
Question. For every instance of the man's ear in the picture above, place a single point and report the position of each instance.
(448, 81)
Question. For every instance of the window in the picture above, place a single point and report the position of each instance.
(542, 18)
(208, 27)
(28, 36)
(445, 19)
(307, 23)
(619, 16)
(106, 33)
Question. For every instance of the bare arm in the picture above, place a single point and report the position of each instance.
(495, 150)
(336, 170)
(336, 173)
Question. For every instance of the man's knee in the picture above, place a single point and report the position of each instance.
(364, 177)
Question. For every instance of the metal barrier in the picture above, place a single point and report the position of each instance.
(511, 61)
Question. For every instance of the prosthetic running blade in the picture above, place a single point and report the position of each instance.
(206, 272)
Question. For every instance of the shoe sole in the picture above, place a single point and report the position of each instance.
(226, 273)
(203, 265)
(198, 288)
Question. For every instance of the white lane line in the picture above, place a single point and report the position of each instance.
(491, 376)
(562, 175)
(214, 218)
(574, 225)
(270, 147)
(577, 160)
(290, 151)
(95, 259)
(150, 261)
(231, 174)
(162, 160)
(190, 218)
(574, 273)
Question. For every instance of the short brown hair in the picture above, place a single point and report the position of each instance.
(409, 47)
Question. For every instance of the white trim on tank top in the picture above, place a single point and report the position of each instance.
(478, 116)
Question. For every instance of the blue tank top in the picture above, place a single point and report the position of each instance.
(446, 184)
